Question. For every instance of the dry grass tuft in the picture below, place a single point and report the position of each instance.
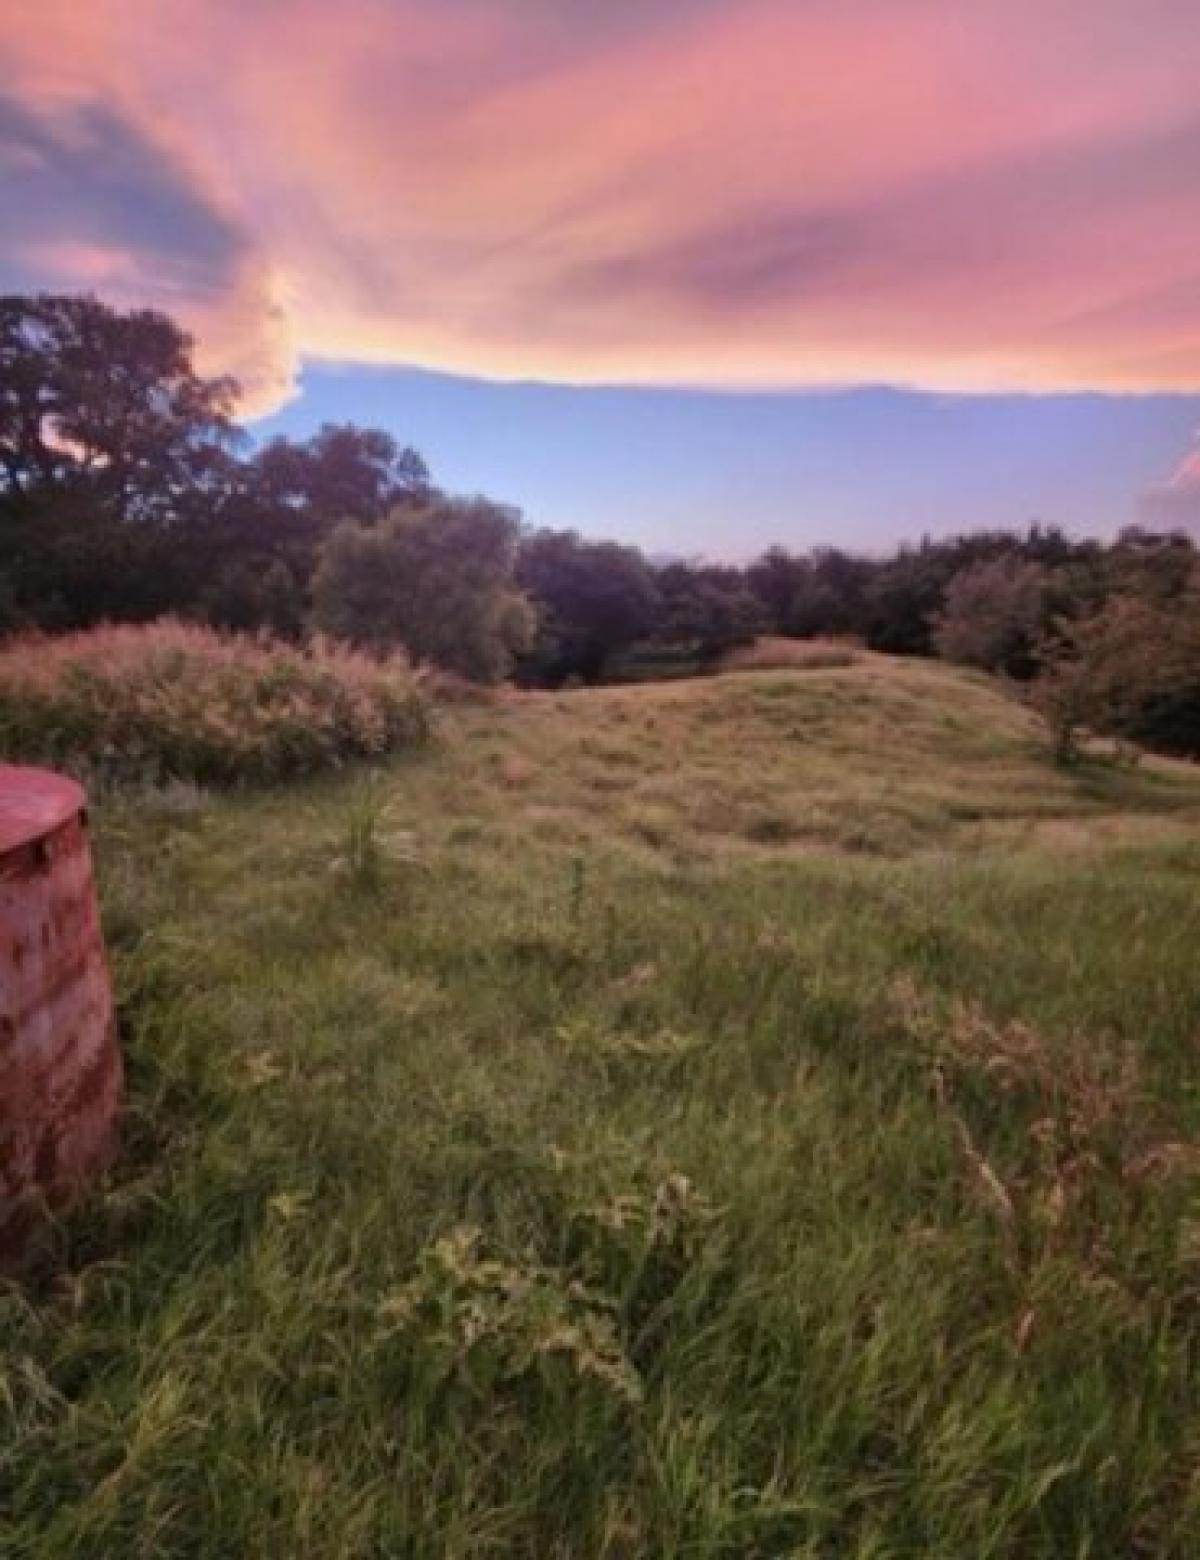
(1060, 1138)
(773, 653)
(513, 770)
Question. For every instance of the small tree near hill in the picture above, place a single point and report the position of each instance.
(1130, 670)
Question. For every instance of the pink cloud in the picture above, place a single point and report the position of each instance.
(1175, 503)
(981, 197)
(93, 264)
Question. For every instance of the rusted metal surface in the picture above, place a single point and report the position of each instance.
(60, 1067)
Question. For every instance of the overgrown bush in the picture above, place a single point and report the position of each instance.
(1129, 670)
(993, 615)
(174, 701)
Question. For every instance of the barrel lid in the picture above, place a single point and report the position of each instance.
(34, 802)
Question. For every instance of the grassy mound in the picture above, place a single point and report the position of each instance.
(172, 701)
(545, 1153)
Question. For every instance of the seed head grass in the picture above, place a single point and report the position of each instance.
(771, 652)
(173, 702)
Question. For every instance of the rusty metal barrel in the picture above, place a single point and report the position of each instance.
(60, 1066)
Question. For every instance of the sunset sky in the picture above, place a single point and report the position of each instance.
(697, 273)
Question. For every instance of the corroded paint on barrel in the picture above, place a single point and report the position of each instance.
(60, 1067)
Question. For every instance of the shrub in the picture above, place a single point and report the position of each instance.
(993, 616)
(173, 701)
(1130, 670)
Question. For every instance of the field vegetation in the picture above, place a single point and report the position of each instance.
(748, 1117)
(773, 652)
(166, 701)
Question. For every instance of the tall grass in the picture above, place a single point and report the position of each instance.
(524, 1188)
(179, 702)
(774, 653)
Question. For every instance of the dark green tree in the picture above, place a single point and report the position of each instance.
(706, 608)
(342, 473)
(436, 578)
(594, 600)
(105, 407)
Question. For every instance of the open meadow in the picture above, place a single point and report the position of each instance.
(752, 1117)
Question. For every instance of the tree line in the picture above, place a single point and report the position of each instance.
(129, 492)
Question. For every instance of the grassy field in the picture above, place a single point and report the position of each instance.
(751, 1117)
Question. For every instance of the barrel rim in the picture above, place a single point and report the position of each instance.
(35, 802)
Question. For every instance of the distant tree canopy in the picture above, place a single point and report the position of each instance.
(127, 491)
(707, 608)
(436, 579)
(341, 473)
(994, 614)
(288, 499)
(595, 599)
(106, 408)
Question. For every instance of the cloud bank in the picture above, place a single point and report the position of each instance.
(998, 196)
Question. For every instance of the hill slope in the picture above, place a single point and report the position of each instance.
(883, 757)
(737, 1118)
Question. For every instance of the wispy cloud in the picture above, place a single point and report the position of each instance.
(1175, 503)
(983, 197)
